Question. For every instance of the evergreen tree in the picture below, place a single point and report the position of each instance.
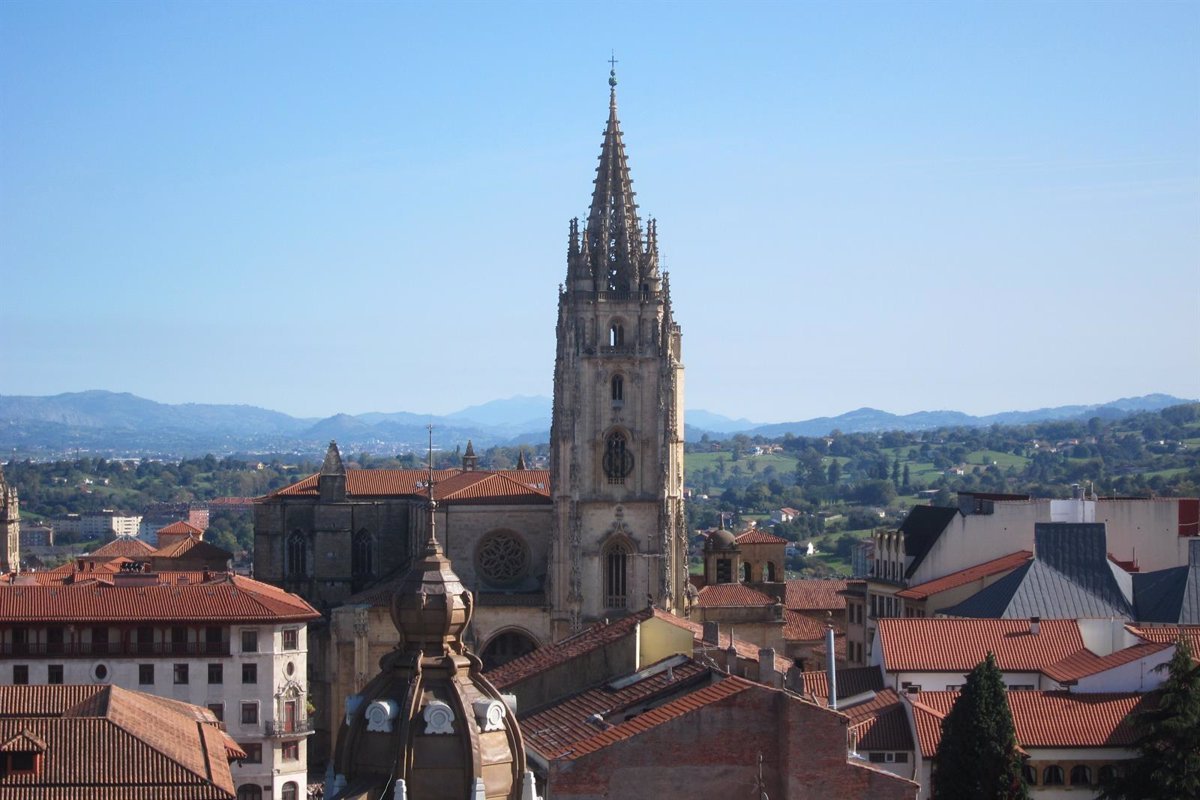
(835, 472)
(896, 472)
(1168, 739)
(905, 480)
(978, 756)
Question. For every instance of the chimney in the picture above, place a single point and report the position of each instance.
(767, 673)
(831, 667)
(1035, 625)
(712, 632)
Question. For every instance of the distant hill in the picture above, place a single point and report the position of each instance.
(122, 424)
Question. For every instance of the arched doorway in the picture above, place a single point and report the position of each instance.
(506, 646)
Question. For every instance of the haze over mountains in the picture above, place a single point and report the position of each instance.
(122, 424)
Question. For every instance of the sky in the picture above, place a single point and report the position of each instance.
(352, 207)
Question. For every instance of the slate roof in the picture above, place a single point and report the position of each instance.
(108, 743)
(804, 594)
(1042, 719)
(923, 591)
(907, 643)
(1170, 595)
(1071, 576)
(453, 486)
(922, 528)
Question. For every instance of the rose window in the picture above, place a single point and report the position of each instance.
(502, 558)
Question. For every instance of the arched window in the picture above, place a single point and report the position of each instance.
(1081, 775)
(618, 461)
(505, 647)
(249, 791)
(290, 791)
(618, 389)
(1030, 774)
(297, 556)
(1107, 774)
(616, 575)
(1052, 776)
(770, 570)
(361, 563)
(616, 335)
(746, 572)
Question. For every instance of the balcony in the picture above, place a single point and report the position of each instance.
(102, 649)
(300, 727)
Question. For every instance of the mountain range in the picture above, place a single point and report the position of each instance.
(122, 424)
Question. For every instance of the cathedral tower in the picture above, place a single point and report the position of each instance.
(10, 526)
(616, 452)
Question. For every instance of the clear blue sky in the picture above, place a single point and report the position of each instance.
(363, 206)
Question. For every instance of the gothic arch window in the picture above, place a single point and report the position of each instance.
(616, 574)
(505, 646)
(616, 335)
(502, 558)
(746, 575)
(296, 556)
(362, 555)
(618, 389)
(618, 461)
(769, 575)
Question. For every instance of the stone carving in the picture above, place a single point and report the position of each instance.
(489, 714)
(439, 718)
(381, 714)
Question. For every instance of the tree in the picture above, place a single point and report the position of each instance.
(1168, 764)
(978, 755)
(835, 472)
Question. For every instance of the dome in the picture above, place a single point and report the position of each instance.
(721, 540)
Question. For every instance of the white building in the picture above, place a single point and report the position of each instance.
(101, 523)
(234, 645)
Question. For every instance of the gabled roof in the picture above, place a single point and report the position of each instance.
(756, 536)
(193, 548)
(1169, 634)
(453, 486)
(732, 595)
(180, 528)
(1170, 595)
(815, 594)
(123, 546)
(1042, 719)
(850, 681)
(106, 742)
(549, 656)
(922, 528)
(880, 723)
(923, 591)
(1085, 662)
(962, 643)
(224, 598)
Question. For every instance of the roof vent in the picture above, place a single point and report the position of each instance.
(1035, 625)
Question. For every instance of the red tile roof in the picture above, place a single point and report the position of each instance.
(1042, 719)
(799, 628)
(1169, 634)
(1085, 662)
(996, 566)
(224, 598)
(746, 651)
(756, 536)
(815, 594)
(113, 744)
(958, 645)
(694, 701)
(180, 528)
(123, 546)
(732, 595)
(880, 723)
(453, 486)
(193, 548)
(850, 681)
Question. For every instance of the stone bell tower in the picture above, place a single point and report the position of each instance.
(616, 452)
(10, 526)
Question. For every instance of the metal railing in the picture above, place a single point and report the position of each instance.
(278, 727)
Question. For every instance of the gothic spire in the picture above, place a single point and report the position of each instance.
(333, 461)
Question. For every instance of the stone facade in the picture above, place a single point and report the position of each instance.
(10, 526)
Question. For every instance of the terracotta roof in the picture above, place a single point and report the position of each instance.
(224, 598)
(746, 651)
(850, 681)
(880, 723)
(815, 595)
(756, 536)
(544, 658)
(925, 590)
(181, 527)
(962, 643)
(732, 595)
(187, 545)
(552, 729)
(1085, 662)
(113, 744)
(799, 628)
(1169, 634)
(454, 486)
(694, 701)
(123, 546)
(1042, 719)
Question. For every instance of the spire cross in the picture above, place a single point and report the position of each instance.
(612, 61)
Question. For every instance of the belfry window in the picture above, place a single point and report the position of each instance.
(616, 578)
(360, 556)
(616, 335)
(618, 389)
(297, 556)
(618, 461)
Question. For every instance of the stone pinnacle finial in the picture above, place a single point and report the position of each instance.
(612, 72)
(432, 544)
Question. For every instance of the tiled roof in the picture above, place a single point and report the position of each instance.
(756, 536)
(552, 730)
(454, 486)
(850, 681)
(113, 744)
(746, 651)
(815, 595)
(1085, 662)
(880, 723)
(732, 595)
(694, 701)
(180, 528)
(193, 548)
(225, 598)
(1042, 719)
(799, 628)
(1169, 634)
(962, 643)
(925, 590)
(123, 546)
(552, 655)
